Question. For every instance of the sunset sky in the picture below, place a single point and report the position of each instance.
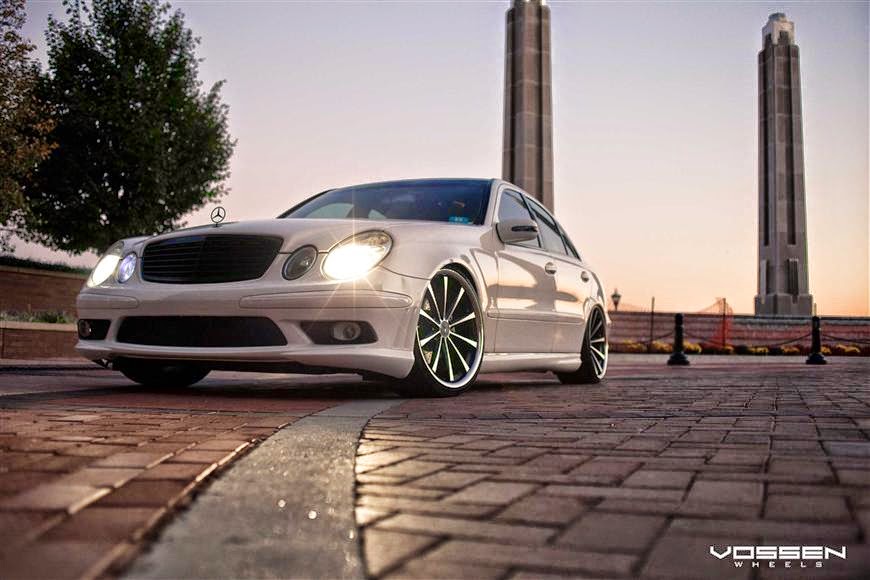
(655, 108)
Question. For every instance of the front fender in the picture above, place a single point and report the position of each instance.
(421, 256)
(479, 265)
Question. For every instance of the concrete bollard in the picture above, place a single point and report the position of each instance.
(816, 357)
(678, 357)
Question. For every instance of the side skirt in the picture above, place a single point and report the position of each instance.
(501, 362)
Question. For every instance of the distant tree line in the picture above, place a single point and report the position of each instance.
(118, 137)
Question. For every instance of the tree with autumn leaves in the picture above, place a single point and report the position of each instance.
(25, 122)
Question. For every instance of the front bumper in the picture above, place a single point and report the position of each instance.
(387, 301)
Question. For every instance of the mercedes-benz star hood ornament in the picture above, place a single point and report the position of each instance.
(217, 215)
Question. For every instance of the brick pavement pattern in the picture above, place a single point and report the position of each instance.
(85, 479)
(634, 478)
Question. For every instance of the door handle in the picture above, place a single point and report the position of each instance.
(584, 275)
(550, 268)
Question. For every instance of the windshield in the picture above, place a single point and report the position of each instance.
(461, 201)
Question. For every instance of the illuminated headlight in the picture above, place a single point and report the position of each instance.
(127, 268)
(357, 255)
(106, 266)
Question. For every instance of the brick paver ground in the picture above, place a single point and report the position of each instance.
(519, 478)
(84, 477)
(636, 477)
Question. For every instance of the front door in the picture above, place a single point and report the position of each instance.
(525, 301)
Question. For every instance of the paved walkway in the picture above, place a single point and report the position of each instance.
(519, 478)
(91, 465)
(634, 478)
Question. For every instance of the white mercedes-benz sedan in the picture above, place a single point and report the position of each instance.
(423, 282)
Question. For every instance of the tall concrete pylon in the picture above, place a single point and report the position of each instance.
(783, 278)
(528, 100)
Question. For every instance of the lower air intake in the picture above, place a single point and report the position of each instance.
(200, 331)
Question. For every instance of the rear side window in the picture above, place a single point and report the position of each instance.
(548, 229)
(512, 207)
(572, 251)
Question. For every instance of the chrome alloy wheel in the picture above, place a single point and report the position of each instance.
(450, 331)
(596, 334)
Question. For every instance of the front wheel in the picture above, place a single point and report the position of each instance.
(593, 353)
(448, 346)
(161, 374)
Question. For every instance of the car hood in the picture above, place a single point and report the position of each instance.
(322, 233)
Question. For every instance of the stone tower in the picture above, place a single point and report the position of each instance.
(783, 279)
(528, 101)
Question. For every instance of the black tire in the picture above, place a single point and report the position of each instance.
(590, 371)
(161, 374)
(461, 310)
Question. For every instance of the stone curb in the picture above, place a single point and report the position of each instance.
(285, 509)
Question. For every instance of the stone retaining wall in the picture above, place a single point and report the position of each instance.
(32, 290)
(37, 340)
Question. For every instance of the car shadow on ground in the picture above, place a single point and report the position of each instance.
(342, 386)
(224, 391)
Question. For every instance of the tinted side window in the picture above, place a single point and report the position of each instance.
(512, 207)
(547, 228)
(572, 251)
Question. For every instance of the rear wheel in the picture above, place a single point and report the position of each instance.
(593, 354)
(161, 374)
(448, 346)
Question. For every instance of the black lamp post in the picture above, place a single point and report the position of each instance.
(616, 296)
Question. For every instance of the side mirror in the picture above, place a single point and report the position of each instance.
(513, 231)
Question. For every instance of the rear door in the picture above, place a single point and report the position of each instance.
(526, 287)
(571, 289)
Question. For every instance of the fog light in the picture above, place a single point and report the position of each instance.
(85, 329)
(92, 329)
(346, 331)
